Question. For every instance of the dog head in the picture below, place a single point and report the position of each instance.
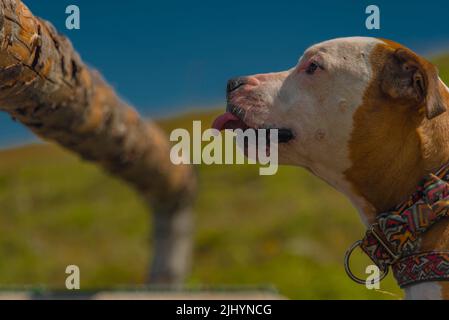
(345, 110)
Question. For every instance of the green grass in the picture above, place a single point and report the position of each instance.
(288, 231)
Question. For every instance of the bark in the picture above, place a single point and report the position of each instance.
(45, 85)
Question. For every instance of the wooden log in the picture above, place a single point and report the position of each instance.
(45, 85)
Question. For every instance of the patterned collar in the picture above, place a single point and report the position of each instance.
(394, 239)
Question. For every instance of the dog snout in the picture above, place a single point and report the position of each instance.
(235, 110)
(248, 82)
(236, 83)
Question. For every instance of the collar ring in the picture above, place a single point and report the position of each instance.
(348, 266)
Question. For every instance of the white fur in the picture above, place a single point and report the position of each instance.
(318, 108)
(424, 291)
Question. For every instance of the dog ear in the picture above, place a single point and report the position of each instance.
(407, 76)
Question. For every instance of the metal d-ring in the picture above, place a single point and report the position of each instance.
(348, 267)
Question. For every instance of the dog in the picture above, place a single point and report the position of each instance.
(366, 115)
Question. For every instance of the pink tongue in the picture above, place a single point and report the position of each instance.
(221, 121)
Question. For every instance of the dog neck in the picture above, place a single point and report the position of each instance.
(385, 177)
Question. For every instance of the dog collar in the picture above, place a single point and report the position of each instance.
(394, 238)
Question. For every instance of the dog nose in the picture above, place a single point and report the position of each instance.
(235, 83)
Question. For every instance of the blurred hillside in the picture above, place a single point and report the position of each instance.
(287, 231)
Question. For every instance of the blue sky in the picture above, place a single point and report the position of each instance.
(172, 56)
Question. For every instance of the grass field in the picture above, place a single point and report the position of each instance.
(287, 231)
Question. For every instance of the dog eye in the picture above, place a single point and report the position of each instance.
(313, 66)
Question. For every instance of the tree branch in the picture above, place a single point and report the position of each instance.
(45, 85)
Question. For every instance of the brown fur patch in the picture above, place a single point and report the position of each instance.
(385, 145)
(393, 146)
